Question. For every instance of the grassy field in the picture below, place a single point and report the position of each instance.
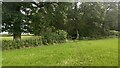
(79, 53)
(11, 38)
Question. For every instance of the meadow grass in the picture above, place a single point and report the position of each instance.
(11, 37)
(102, 52)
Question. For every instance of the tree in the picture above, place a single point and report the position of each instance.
(13, 18)
(79, 19)
(49, 16)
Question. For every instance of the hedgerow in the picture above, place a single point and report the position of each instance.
(11, 44)
(58, 36)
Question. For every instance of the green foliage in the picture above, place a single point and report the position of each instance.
(49, 38)
(54, 37)
(58, 36)
(71, 17)
(13, 20)
(114, 33)
(10, 44)
(62, 34)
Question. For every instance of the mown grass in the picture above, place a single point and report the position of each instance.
(79, 53)
(11, 38)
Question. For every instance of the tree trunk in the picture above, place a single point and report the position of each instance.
(17, 31)
(17, 36)
(76, 21)
(77, 32)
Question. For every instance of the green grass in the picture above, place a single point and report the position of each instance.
(11, 38)
(79, 53)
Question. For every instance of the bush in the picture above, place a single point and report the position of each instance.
(10, 44)
(114, 33)
(58, 36)
(62, 34)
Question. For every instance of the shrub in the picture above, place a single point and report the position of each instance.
(10, 44)
(62, 35)
(114, 33)
(58, 36)
(48, 38)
